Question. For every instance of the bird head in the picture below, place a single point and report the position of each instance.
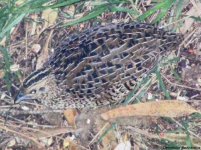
(39, 85)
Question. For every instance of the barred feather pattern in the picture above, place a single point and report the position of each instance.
(103, 64)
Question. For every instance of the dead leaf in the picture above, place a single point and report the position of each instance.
(50, 16)
(165, 108)
(36, 48)
(44, 54)
(3, 42)
(70, 144)
(70, 115)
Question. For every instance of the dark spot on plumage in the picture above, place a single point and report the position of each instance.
(76, 88)
(129, 35)
(131, 83)
(137, 60)
(106, 35)
(137, 25)
(127, 87)
(103, 66)
(89, 78)
(120, 33)
(111, 46)
(112, 31)
(109, 64)
(103, 80)
(127, 75)
(100, 41)
(90, 85)
(146, 57)
(89, 91)
(130, 65)
(127, 26)
(104, 47)
(125, 54)
(129, 44)
(94, 74)
(94, 53)
(139, 68)
(138, 65)
(98, 35)
(96, 80)
(121, 42)
(148, 34)
(67, 90)
(113, 37)
(123, 36)
(118, 66)
(134, 78)
(71, 42)
(73, 91)
(98, 59)
(93, 46)
(132, 26)
(81, 96)
(113, 91)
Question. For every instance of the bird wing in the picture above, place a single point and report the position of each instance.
(106, 62)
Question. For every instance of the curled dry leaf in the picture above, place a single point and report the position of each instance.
(70, 115)
(70, 144)
(165, 108)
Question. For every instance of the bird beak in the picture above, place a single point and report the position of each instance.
(22, 97)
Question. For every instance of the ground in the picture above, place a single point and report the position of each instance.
(152, 122)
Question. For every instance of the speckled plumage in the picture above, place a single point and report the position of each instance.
(100, 65)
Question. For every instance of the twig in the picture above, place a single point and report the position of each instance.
(40, 145)
(178, 85)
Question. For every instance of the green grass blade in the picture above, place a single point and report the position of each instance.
(121, 9)
(7, 64)
(91, 15)
(162, 85)
(11, 23)
(159, 6)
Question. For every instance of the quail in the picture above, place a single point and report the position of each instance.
(99, 66)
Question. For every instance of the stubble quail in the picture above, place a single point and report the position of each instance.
(99, 66)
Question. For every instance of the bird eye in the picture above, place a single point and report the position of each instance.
(42, 89)
(33, 92)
